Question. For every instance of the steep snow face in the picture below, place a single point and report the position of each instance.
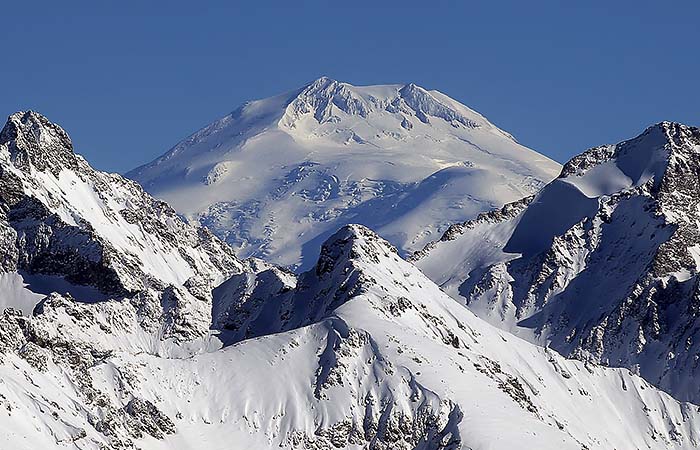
(363, 352)
(68, 228)
(601, 265)
(278, 176)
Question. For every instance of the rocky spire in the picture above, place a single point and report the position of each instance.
(33, 141)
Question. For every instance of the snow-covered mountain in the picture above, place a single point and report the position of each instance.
(68, 228)
(601, 265)
(278, 176)
(159, 338)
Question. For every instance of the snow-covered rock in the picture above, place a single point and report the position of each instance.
(602, 264)
(278, 176)
(66, 227)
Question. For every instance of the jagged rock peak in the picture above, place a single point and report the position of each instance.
(658, 141)
(321, 82)
(352, 242)
(677, 136)
(350, 234)
(33, 140)
(349, 237)
(672, 135)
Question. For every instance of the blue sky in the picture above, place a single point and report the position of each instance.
(128, 80)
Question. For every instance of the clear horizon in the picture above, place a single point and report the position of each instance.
(129, 81)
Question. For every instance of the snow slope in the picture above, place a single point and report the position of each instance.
(278, 176)
(601, 265)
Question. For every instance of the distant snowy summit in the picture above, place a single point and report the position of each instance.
(278, 176)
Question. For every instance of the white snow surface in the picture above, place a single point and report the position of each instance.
(277, 176)
(15, 293)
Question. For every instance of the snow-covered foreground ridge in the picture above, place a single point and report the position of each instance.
(278, 176)
(601, 265)
(361, 352)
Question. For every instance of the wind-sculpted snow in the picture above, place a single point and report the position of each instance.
(278, 176)
(603, 263)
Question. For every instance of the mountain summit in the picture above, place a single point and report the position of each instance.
(323, 95)
(278, 176)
